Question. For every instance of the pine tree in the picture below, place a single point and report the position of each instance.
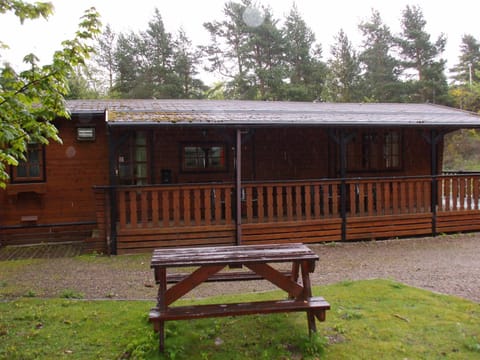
(381, 69)
(421, 55)
(344, 71)
(466, 71)
(226, 53)
(305, 69)
(186, 62)
(104, 58)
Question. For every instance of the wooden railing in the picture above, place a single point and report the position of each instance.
(459, 192)
(214, 204)
(290, 201)
(373, 197)
(182, 205)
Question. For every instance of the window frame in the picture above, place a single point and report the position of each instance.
(206, 168)
(29, 164)
(374, 151)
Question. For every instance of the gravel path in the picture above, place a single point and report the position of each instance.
(445, 264)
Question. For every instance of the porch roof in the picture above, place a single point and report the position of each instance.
(273, 113)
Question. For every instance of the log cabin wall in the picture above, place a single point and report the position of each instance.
(61, 207)
(293, 153)
(267, 154)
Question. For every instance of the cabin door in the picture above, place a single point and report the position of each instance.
(132, 160)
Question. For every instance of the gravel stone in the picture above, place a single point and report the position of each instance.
(445, 264)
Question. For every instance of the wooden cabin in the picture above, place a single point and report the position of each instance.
(132, 175)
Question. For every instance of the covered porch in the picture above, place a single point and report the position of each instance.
(193, 173)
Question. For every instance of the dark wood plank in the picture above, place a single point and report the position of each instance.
(245, 254)
(237, 309)
(225, 276)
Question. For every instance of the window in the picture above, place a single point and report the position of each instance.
(375, 151)
(206, 157)
(32, 169)
(133, 160)
(391, 149)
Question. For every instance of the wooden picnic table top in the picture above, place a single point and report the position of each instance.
(231, 255)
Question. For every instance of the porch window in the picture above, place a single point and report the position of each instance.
(32, 168)
(206, 157)
(391, 149)
(375, 151)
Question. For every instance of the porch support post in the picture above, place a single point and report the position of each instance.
(435, 137)
(342, 138)
(433, 140)
(112, 191)
(238, 186)
(343, 186)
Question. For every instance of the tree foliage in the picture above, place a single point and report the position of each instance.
(31, 99)
(303, 56)
(265, 60)
(381, 69)
(344, 71)
(150, 64)
(422, 56)
(465, 92)
(258, 56)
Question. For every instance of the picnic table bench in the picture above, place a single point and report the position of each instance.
(208, 263)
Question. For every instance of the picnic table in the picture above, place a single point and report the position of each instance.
(246, 262)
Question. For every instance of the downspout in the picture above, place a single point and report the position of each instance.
(238, 186)
(112, 189)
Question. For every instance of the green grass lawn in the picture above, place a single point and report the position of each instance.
(377, 319)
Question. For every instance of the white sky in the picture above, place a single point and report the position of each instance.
(325, 18)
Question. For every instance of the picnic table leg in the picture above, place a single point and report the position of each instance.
(295, 271)
(307, 293)
(161, 276)
(161, 336)
(294, 276)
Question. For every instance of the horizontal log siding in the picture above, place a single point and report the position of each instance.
(308, 231)
(460, 221)
(144, 240)
(390, 226)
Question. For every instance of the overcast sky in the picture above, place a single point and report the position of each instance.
(325, 18)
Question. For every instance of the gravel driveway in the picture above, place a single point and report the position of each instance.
(445, 264)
